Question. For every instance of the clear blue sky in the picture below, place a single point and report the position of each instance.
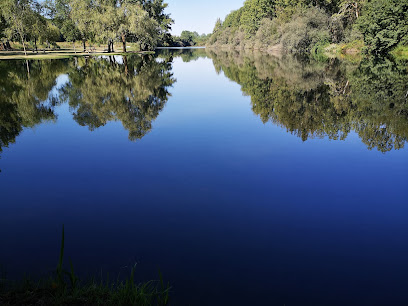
(200, 15)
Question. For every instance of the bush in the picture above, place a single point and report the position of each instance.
(306, 28)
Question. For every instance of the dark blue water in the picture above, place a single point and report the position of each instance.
(233, 210)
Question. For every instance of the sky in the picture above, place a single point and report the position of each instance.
(200, 16)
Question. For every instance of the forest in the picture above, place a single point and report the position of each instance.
(302, 26)
(99, 21)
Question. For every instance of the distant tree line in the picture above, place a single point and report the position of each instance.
(301, 25)
(190, 39)
(99, 21)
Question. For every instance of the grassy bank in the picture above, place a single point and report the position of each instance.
(63, 287)
(51, 292)
(64, 50)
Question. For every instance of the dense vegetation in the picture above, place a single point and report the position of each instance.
(99, 21)
(305, 25)
(315, 99)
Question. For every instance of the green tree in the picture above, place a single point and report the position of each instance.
(20, 17)
(38, 27)
(253, 12)
(83, 16)
(306, 28)
(155, 10)
(233, 19)
(384, 24)
(59, 11)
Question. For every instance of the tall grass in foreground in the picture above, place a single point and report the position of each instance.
(65, 288)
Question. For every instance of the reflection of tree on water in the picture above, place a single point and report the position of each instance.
(24, 97)
(187, 55)
(313, 99)
(379, 86)
(132, 90)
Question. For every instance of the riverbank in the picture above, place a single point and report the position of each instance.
(65, 50)
(63, 287)
(51, 292)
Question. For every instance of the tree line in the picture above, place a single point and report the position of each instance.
(303, 25)
(189, 39)
(100, 21)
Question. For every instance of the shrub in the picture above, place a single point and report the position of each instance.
(306, 28)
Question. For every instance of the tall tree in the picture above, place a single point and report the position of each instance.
(20, 17)
(83, 16)
(60, 12)
(156, 11)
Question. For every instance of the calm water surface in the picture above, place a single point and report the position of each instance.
(247, 179)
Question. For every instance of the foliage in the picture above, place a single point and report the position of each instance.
(20, 17)
(299, 26)
(102, 21)
(384, 24)
(306, 28)
(60, 12)
(155, 10)
(253, 12)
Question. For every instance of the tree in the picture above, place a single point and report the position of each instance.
(59, 11)
(384, 24)
(137, 23)
(233, 19)
(106, 22)
(38, 27)
(306, 28)
(83, 16)
(253, 12)
(218, 26)
(155, 9)
(20, 17)
(51, 34)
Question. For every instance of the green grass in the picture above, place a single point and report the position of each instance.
(64, 50)
(65, 288)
